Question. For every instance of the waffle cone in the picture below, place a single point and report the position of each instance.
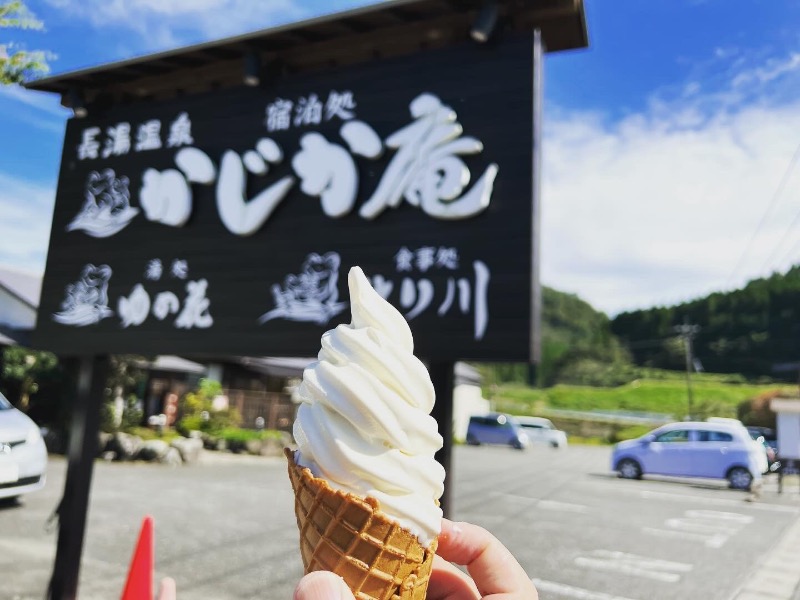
(350, 536)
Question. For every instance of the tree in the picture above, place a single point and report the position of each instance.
(27, 367)
(18, 66)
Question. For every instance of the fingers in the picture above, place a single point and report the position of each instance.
(322, 585)
(448, 582)
(491, 565)
(167, 590)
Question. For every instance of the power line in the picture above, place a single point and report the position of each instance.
(789, 229)
(778, 191)
(793, 251)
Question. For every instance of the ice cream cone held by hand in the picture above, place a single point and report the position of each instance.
(365, 479)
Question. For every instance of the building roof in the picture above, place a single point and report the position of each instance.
(384, 29)
(277, 366)
(173, 364)
(6, 341)
(467, 374)
(27, 287)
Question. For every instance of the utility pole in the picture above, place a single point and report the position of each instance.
(687, 333)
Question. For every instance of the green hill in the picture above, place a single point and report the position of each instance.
(754, 331)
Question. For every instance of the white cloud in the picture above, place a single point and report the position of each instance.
(25, 214)
(660, 207)
(774, 68)
(650, 211)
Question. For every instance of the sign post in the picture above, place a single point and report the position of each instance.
(443, 378)
(83, 439)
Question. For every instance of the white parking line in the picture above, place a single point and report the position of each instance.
(562, 506)
(711, 527)
(718, 501)
(711, 541)
(560, 589)
(545, 504)
(720, 516)
(700, 526)
(632, 564)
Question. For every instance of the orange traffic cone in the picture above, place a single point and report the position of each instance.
(139, 585)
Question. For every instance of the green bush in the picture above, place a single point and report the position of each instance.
(151, 434)
(236, 434)
(199, 414)
(621, 433)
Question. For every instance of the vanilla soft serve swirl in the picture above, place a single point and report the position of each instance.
(364, 423)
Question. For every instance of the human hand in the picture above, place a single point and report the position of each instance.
(167, 590)
(494, 572)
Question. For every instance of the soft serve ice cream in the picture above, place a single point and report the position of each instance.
(364, 424)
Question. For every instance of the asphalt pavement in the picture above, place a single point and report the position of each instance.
(225, 528)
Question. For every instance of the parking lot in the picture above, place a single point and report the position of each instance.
(225, 528)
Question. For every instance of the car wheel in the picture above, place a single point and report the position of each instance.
(517, 445)
(740, 478)
(472, 441)
(629, 469)
(555, 445)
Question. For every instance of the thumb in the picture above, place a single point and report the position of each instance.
(322, 585)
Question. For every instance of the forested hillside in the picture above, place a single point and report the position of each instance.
(754, 331)
(577, 347)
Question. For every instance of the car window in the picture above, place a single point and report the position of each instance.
(678, 435)
(496, 421)
(532, 426)
(714, 436)
(4, 403)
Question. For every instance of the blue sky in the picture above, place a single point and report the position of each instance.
(666, 140)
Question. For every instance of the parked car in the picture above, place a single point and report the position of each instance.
(542, 431)
(769, 453)
(496, 428)
(693, 449)
(23, 456)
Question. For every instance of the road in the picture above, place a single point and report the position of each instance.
(225, 527)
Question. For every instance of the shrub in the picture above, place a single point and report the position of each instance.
(199, 414)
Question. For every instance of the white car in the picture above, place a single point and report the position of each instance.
(23, 455)
(542, 431)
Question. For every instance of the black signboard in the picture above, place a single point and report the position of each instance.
(226, 223)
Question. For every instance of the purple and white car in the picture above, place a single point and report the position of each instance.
(715, 450)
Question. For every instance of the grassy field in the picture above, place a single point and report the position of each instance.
(663, 392)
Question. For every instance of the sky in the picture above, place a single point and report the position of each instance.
(671, 144)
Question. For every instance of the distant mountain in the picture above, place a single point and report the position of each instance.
(754, 331)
